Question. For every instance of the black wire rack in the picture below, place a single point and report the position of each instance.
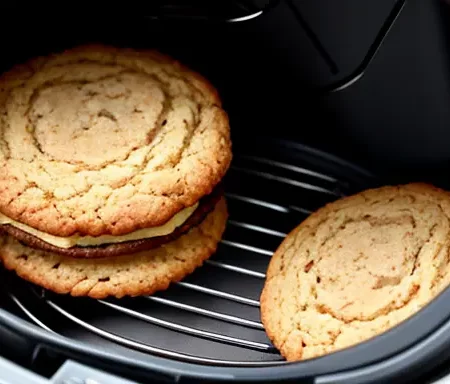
(211, 317)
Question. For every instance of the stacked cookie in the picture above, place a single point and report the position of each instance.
(111, 163)
(356, 268)
(110, 169)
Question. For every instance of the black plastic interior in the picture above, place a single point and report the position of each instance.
(393, 121)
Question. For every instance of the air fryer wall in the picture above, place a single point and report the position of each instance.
(396, 118)
(398, 114)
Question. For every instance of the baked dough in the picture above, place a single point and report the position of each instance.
(99, 140)
(356, 268)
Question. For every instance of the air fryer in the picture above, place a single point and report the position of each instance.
(326, 98)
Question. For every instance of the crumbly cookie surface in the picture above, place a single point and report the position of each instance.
(100, 140)
(139, 274)
(356, 268)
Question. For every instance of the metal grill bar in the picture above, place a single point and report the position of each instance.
(291, 167)
(189, 330)
(265, 204)
(149, 349)
(286, 180)
(205, 312)
(217, 293)
(247, 247)
(256, 228)
(301, 210)
(260, 203)
(29, 314)
(233, 268)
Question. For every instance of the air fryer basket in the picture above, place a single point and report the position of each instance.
(207, 326)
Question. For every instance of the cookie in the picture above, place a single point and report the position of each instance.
(132, 275)
(98, 140)
(356, 268)
(206, 205)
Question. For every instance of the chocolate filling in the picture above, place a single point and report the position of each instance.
(206, 205)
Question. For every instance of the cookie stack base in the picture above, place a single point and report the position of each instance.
(132, 275)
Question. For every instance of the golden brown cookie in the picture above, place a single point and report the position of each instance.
(134, 275)
(99, 140)
(356, 268)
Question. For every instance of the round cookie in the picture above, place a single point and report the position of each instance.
(356, 268)
(139, 274)
(105, 141)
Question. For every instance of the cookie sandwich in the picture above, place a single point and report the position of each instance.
(111, 163)
(356, 268)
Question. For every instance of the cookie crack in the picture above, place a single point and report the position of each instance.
(184, 146)
(81, 280)
(161, 119)
(416, 255)
(439, 273)
(4, 145)
(58, 81)
(413, 291)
